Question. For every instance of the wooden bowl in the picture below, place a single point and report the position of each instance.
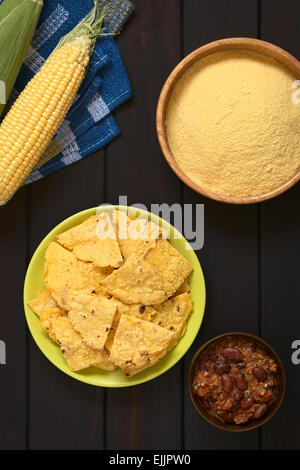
(255, 45)
(273, 408)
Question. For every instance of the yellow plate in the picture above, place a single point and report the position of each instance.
(94, 376)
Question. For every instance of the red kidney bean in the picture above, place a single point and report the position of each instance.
(241, 382)
(228, 417)
(260, 411)
(232, 354)
(246, 403)
(226, 383)
(221, 368)
(237, 395)
(260, 374)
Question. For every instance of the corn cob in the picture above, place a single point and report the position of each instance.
(40, 109)
(18, 20)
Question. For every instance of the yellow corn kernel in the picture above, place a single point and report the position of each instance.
(30, 125)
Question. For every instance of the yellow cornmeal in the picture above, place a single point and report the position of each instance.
(232, 126)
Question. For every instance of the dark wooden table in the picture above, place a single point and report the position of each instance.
(250, 258)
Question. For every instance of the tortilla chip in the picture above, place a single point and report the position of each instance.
(138, 239)
(173, 315)
(64, 271)
(185, 287)
(94, 240)
(170, 264)
(137, 310)
(90, 315)
(136, 235)
(106, 364)
(47, 316)
(141, 311)
(121, 221)
(138, 344)
(136, 281)
(141, 247)
(111, 334)
(42, 301)
(77, 354)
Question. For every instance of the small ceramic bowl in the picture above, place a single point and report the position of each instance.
(250, 44)
(280, 385)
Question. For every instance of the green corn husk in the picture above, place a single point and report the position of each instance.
(18, 20)
(91, 26)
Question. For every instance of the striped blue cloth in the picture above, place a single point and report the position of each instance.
(89, 125)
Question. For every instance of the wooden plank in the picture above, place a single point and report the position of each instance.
(281, 254)
(205, 21)
(150, 47)
(230, 254)
(13, 375)
(279, 24)
(63, 413)
(147, 416)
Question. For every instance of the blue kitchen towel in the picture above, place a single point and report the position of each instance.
(106, 130)
(88, 125)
